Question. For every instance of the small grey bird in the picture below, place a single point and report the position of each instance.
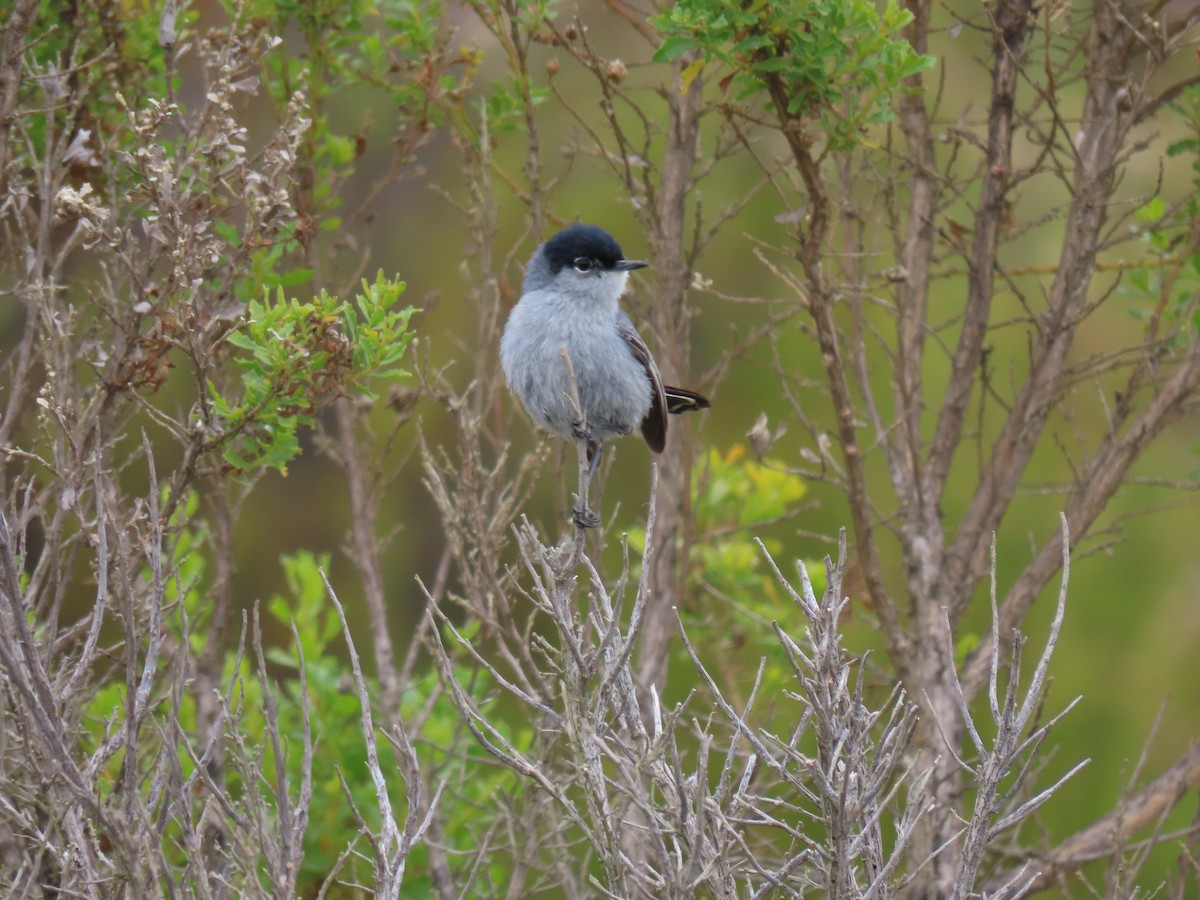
(570, 300)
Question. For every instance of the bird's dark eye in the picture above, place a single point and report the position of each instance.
(583, 264)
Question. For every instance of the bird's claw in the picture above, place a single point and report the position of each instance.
(584, 518)
(580, 432)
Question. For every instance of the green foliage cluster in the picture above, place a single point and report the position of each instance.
(335, 719)
(298, 355)
(837, 62)
(736, 497)
(333, 711)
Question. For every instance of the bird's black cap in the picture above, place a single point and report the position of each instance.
(586, 241)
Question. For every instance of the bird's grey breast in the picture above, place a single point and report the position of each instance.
(614, 390)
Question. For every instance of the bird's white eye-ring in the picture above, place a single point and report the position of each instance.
(583, 264)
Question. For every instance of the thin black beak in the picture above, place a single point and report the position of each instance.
(626, 265)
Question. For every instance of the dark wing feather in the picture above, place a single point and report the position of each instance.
(654, 426)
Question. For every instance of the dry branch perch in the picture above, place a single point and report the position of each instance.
(1112, 832)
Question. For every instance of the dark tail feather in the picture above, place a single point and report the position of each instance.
(680, 400)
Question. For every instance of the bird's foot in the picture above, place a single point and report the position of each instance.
(580, 431)
(584, 517)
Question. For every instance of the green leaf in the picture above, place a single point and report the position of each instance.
(296, 357)
(673, 47)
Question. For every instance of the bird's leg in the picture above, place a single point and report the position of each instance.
(594, 450)
(580, 514)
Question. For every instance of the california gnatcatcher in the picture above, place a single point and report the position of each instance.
(569, 302)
